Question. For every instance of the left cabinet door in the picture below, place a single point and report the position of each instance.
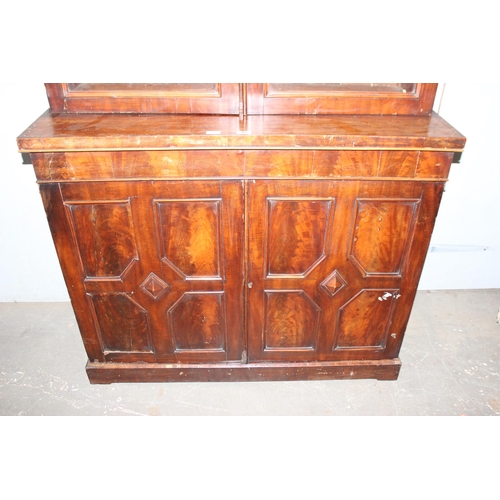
(190, 98)
(154, 269)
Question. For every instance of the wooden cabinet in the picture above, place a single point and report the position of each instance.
(225, 248)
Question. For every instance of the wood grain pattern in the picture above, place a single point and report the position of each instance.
(121, 322)
(189, 231)
(364, 320)
(196, 164)
(291, 320)
(297, 98)
(399, 164)
(92, 132)
(197, 322)
(389, 249)
(200, 247)
(293, 247)
(216, 98)
(105, 237)
(256, 98)
(101, 373)
(346, 163)
(382, 234)
(436, 165)
(150, 299)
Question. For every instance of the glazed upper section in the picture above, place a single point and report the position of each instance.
(243, 98)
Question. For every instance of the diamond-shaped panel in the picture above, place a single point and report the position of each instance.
(154, 286)
(333, 283)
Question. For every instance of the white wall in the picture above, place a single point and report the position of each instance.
(469, 214)
(29, 269)
(465, 246)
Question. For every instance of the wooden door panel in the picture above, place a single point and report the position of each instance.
(122, 323)
(197, 322)
(189, 232)
(382, 235)
(293, 248)
(363, 321)
(105, 237)
(291, 321)
(160, 265)
(189, 98)
(338, 98)
(344, 271)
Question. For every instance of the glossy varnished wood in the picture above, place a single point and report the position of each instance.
(213, 98)
(336, 99)
(154, 270)
(192, 164)
(219, 248)
(93, 132)
(334, 266)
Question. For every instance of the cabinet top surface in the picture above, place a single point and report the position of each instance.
(91, 132)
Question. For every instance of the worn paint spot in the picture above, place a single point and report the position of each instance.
(154, 411)
(494, 404)
(385, 296)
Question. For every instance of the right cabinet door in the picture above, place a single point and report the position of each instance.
(340, 98)
(334, 266)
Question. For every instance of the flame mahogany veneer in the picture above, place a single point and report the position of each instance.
(219, 247)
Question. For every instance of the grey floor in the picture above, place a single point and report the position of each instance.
(450, 356)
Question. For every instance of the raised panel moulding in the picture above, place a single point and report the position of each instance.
(291, 320)
(122, 323)
(105, 237)
(333, 283)
(383, 230)
(154, 286)
(297, 234)
(197, 322)
(189, 232)
(364, 320)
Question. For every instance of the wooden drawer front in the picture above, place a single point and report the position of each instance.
(138, 165)
(241, 163)
(348, 164)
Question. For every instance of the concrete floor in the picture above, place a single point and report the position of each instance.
(450, 356)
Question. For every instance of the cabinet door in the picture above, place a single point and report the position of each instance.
(340, 98)
(334, 265)
(192, 98)
(154, 269)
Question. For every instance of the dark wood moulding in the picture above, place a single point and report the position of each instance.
(100, 373)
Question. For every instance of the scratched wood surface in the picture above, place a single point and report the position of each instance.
(243, 98)
(209, 247)
(91, 132)
(215, 98)
(117, 165)
(364, 99)
(334, 266)
(154, 270)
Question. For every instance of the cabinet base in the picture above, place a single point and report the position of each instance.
(107, 373)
